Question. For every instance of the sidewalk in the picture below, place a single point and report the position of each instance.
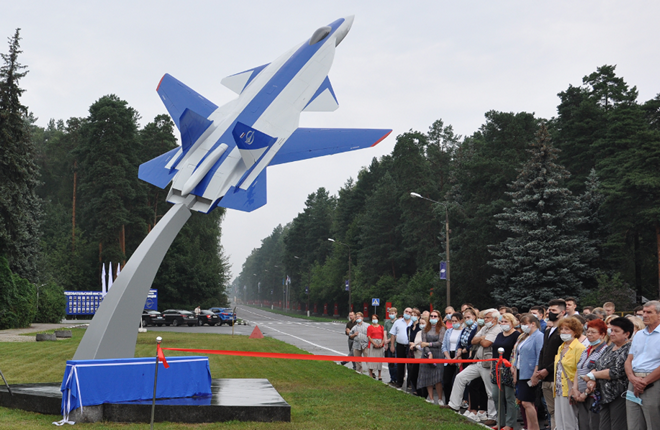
(14, 334)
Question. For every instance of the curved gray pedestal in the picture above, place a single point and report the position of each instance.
(113, 330)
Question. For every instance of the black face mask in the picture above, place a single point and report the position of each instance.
(553, 316)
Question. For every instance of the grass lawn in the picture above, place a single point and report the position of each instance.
(322, 395)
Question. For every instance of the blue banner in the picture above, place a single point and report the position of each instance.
(87, 302)
(348, 287)
(443, 270)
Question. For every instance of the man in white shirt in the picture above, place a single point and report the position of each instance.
(643, 371)
(483, 341)
(571, 306)
(400, 338)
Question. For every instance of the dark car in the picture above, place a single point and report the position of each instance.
(152, 318)
(178, 317)
(208, 317)
(227, 316)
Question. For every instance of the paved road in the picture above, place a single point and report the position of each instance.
(321, 338)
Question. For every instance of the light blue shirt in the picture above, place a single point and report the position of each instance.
(399, 330)
(645, 350)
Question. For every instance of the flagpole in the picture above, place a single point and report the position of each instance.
(153, 402)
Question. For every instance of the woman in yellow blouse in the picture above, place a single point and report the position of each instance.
(566, 362)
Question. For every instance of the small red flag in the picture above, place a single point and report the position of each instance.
(161, 357)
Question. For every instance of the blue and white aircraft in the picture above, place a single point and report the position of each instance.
(225, 150)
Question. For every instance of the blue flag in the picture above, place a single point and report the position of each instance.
(348, 287)
(443, 270)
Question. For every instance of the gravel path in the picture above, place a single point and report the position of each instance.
(14, 335)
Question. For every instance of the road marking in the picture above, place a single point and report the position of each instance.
(306, 341)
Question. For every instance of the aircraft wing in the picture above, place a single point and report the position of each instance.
(307, 143)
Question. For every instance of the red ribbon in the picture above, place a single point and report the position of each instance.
(334, 357)
(161, 356)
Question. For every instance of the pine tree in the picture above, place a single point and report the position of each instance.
(20, 208)
(545, 256)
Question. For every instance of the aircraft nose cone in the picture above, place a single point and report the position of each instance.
(343, 30)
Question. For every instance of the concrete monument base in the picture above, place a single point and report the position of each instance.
(232, 400)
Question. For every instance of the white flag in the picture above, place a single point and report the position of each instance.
(103, 279)
(110, 276)
(118, 270)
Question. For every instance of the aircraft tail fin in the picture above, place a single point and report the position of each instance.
(193, 125)
(177, 97)
(251, 143)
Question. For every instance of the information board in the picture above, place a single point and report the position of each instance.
(87, 302)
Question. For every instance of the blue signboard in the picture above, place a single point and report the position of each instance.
(375, 302)
(87, 302)
(152, 301)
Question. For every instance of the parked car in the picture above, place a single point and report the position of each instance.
(150, 317)
(178, 317)
(227, 316)
(208, 317)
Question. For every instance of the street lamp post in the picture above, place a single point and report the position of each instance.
(349, 271)
(446, 241)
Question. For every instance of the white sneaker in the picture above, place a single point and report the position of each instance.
(430, 400)
(482, 416)
(441, 403)
(473, 417)
(467, 413)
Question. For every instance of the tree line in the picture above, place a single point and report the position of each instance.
(538, 208)
(71, 201)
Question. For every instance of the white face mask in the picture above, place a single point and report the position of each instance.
(525, 328)
(422, 326)
(505, 327)
(566, 337)
(392, 316)
(374, 322)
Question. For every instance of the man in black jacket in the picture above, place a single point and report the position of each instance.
(545, 372)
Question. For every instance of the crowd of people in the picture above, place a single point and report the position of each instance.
(571, 370)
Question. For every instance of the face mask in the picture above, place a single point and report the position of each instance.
(546, 320)
(518, 326)
(609, 331)
(392, 316)
(566, 337)
(505, 327)
(595, 342)
(406, 317)
(422, 326)
(480, 321)
(499, 318)
(525, 328)
(359, 320)
(448, 316)
(433, 321)
(456, 326)
(469, 323)
(374, 322)
(414, 318)
(553, 316)
(489, 324)
(585, 327)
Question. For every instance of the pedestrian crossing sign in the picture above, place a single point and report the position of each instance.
(375, 302)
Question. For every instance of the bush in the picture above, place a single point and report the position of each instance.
(17, 299)
(52, 304)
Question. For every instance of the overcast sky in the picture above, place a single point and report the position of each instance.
(402, 66)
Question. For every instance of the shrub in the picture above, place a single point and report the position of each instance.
(52, 304)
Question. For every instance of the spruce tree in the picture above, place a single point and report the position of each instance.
(545, 255)
(19, 204)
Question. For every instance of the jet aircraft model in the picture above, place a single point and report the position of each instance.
(225, 150)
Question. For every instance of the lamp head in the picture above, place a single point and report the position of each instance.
(416, 195)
